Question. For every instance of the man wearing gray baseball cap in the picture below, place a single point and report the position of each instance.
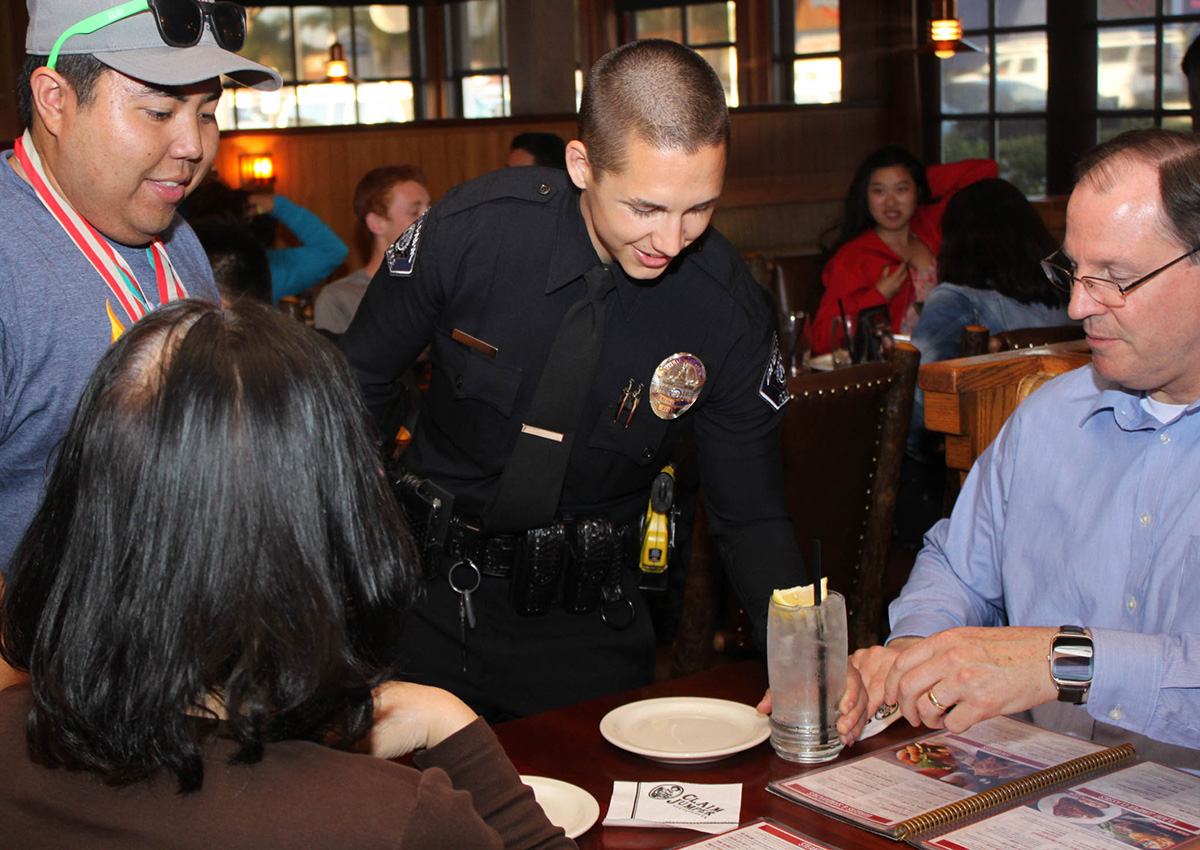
(118, 102)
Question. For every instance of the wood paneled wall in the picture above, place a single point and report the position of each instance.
(788, 167)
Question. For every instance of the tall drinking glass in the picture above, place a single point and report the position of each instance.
(806, 663)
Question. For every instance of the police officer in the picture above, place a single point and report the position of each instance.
(495, 279)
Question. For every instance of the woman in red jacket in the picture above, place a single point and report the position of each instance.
(891, 233)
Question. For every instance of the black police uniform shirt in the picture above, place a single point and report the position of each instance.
(501, 259)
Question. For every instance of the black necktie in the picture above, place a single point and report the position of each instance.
(529, 489)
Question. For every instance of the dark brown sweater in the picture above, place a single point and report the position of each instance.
(463, 793)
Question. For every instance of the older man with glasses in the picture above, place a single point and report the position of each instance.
(1065, 582)
(119, 105)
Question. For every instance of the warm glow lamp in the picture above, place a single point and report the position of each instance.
(337, 69)
(257, 171)
(945, 31)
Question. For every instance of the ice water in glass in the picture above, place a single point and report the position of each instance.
(806, 663)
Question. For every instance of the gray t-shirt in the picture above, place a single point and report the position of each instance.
(54, 327)
(338, 302)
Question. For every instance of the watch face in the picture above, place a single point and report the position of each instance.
(1072, 660)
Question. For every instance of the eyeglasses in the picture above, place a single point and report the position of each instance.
(180, 23)
(1061, 272)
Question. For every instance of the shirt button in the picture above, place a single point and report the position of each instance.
(458, 383)
(1164, 438)
(1131, 604)
(1145, 519)
(543, 189)
(1116, 714)
(647, 453)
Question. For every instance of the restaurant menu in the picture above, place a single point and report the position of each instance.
(930, 785)
(759, 835)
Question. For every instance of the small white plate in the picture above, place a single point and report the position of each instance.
(565, 805)
(685, 730)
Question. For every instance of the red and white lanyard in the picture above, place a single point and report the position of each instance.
(111, 265)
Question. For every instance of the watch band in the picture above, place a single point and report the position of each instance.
(1071, 663)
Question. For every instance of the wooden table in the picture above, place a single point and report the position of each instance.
(566, 744)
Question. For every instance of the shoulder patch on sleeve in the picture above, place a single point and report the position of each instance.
(774, 388)
(402, 253)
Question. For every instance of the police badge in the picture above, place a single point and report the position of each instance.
(774, 388)
(402, 253)
(676, 385)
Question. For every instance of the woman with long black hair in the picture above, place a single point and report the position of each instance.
(205, 604)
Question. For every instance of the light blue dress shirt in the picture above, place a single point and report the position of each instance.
(1085, 510)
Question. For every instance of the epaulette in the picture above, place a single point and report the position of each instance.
(523, 183)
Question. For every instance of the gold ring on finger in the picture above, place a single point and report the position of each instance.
(934, 701)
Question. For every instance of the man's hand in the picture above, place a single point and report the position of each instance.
(874, 664)
(974, 673)
(852, 708)
(411, 717)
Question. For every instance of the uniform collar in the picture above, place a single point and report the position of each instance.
(573, 254)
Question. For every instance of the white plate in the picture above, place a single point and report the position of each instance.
(821, 363)
(565, 805)
(685, 730)
(1107, 813)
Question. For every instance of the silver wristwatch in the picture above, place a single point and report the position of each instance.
(1071, 663)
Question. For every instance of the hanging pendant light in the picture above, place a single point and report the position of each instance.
(337, 69)
(945, 32)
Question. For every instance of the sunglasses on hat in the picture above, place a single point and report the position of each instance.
(180, 23)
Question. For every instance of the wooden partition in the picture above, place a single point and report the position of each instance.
(970, 398)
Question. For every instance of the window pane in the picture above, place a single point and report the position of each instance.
(659, 23)
(817, 28)
(1182, 123)
(269, 39)
(479, 45)
(1021, 72)
(1176, 38)
(317, 28)
(326, 105)
(818, 80)
(485, 96)
(382, 45)
(1125, 72)
(1021, 151)
(973, 14)
(380, 103)
(711, 23)
(724, 62)
(1106, 128)
(966, 140)
(965, 79)
(258, 110)
(1180, 7)
(1113, 9)
(226, 119)
(1021, 13)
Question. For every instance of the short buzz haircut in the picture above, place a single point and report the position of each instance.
(654, 90)
(1175, 155)
(80, 70)
(371, 193)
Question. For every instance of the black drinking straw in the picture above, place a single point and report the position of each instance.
(822, 651)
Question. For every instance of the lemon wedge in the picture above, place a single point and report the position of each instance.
(800, 595)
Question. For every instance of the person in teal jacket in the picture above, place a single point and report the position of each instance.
(294, 270)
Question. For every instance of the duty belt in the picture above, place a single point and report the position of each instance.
(576, 563)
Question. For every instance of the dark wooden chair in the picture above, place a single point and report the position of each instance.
(796, 282)
(843, 441)
(1034, 337)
